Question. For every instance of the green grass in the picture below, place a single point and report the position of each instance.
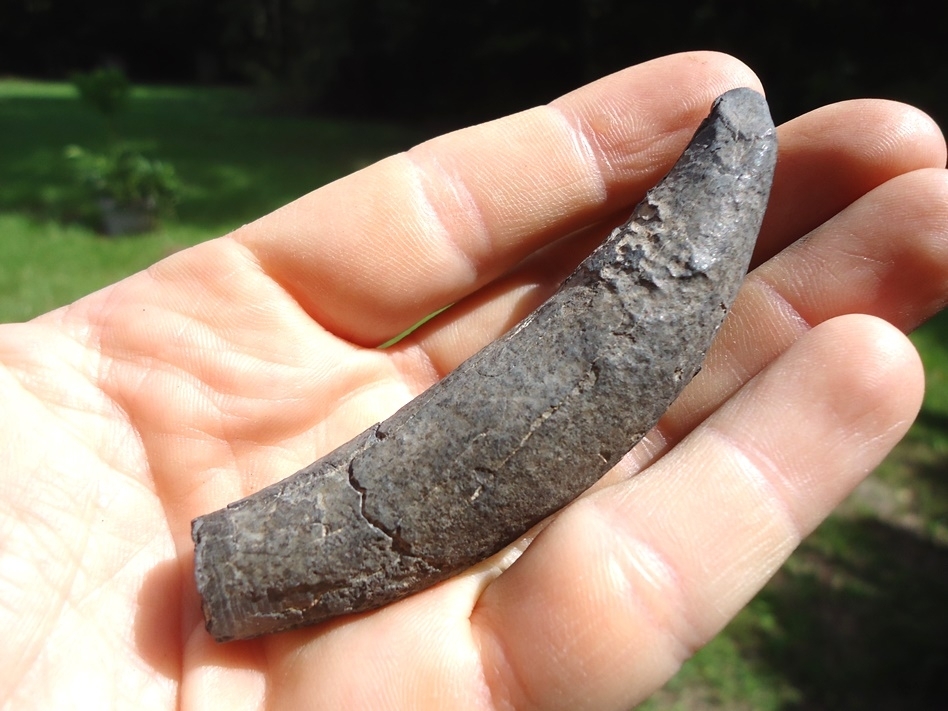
(854, 620)
(237, 163)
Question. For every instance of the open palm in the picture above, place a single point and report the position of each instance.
(232, 364)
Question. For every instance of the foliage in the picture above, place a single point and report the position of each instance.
(127, 177)
(855, 620)
(239, 165)
(106, 89)
(131, 189)
(473, 59)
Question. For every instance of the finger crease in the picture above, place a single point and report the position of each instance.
(463, 210)
(661, 609)
(507, 682)
(780, 302)
(761, 471)
(592, 154)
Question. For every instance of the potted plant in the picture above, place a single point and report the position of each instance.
(132, 190)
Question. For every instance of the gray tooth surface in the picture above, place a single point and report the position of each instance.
(518, 430)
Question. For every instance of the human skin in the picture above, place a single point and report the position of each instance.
(232, 364)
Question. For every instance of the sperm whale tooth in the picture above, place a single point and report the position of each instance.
(518, 430)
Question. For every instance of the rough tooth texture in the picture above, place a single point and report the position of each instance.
(518, 430)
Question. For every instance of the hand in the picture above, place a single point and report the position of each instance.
(231, 365)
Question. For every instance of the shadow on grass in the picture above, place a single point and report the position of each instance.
(236, 163)
(860, 620)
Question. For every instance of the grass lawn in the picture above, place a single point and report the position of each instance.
(237, 164)
(855, 619)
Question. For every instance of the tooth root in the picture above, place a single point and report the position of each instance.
(521, 428)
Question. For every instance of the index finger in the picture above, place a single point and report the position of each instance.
(373, 253)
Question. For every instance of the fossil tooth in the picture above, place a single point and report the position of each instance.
(518, 430)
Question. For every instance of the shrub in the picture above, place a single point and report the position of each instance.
(106, 89)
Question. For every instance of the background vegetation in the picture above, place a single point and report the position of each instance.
(258, 101)
(449, 62)
(235, 163)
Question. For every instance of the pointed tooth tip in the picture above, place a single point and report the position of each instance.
(746, 108)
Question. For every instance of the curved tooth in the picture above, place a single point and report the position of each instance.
(518, 430)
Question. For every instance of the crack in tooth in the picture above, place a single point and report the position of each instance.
(399, 544)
